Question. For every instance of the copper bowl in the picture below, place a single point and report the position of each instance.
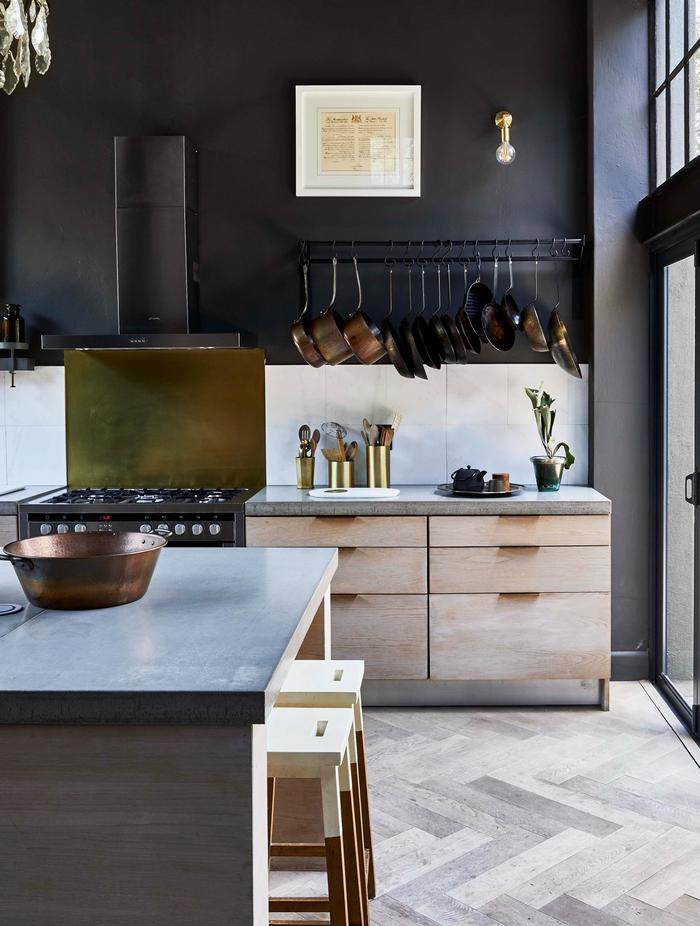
(364, 337)
(85, 571)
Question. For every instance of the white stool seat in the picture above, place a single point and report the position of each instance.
(303, 741)
(327, 682)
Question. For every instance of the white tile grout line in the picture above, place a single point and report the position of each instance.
(687, 741)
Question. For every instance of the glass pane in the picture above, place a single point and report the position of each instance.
(680, 460)
(675, 30)
(660, 38)
(694, 107)
(660, 108)
(677, 123)
(693, 22)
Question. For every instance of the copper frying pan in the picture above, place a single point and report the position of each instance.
(360, 332)
(303, 341)
(326, 329)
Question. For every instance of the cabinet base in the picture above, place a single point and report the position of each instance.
(434, 693)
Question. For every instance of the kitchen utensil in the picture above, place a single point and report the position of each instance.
(365, 437)
(301, 335)
(330, 454)
(305, 472)
(398, 353)
(360, 332)
(509, 303)
(478, 295)
(438, 330)
(83, 571)
(373, 435)
(397, 419)
(341, 446)
(468, 479)
(422, 335)
(560, 344)
(447, 489)
(351, 451)
(366, 425)
(387, 437)
(407, 336)
(331, 429)
(471, 339)
(353, 494)
(326, 328)
(340, 474)
(495, 319)
(315, 438)
(460, 349)
(529, 319)
(304, 434)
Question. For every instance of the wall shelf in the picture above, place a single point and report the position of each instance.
(12, 364)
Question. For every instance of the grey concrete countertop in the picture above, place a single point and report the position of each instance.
(423, 500)
(209, 643)
(12, 495)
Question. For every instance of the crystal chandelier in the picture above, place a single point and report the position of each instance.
(21, 30)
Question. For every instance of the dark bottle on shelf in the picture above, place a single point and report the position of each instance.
(11, 323)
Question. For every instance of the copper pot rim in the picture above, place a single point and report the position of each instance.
(155, 543)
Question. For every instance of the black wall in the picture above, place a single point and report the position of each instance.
(223, 74)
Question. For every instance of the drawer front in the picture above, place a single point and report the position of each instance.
(372, 570)
(389, 632)
(8, 529)
(519, 569)
(520, 530)
(336, 532)
(519, 636)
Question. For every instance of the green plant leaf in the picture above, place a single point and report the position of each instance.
(570, 458)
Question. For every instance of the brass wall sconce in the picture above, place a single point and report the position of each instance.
(505, 153)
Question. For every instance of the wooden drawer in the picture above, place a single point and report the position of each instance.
(389, 632)
(519, 569)
(372, 570)
(520, 636)
(8, 529)
(336, 532)
(520, 531)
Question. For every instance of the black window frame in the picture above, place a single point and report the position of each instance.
(658, 86)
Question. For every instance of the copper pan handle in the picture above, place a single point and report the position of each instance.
(19, 562)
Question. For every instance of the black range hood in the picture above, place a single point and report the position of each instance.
(155, 182)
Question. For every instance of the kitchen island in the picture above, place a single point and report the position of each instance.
(132, 741)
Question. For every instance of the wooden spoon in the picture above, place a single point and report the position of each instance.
(351, 451)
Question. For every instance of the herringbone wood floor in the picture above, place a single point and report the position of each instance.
(530, 817)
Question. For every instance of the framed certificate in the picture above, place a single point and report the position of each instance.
(358, 140)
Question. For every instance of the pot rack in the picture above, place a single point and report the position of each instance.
(445, 250)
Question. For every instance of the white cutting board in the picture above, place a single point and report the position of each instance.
(353, 495)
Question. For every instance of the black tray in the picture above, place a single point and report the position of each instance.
(447, 489)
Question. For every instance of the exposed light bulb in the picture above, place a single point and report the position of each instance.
(505, 153)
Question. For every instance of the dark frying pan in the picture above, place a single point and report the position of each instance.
(478, 295)
(423, 336)
(360, 332)
(327, 330)
(398, 353)
(438, 330)
(303, 341)
(407, 336)
(471, 339)
(560, 345)
(530, 322)
(495, 320)
(451, 328)
(511, 306)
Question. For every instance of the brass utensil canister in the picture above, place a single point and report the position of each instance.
(340, 475)
(378, 467)
(305, 472)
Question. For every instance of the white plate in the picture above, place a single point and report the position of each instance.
(353, 495)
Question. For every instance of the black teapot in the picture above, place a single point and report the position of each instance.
(468, 480)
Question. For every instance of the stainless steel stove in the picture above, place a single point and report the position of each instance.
(195, 517)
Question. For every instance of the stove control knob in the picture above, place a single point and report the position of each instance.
(62, 528)
(45, 529)
(214, 528)
(163, 527)
(80, 528)
(180, 529)
(197, 529)
(145, 528)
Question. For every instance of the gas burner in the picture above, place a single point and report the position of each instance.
(144, 496)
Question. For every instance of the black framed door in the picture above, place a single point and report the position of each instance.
(678, 479)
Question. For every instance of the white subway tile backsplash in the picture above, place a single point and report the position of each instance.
(36, 455)
(477, 394)
(37, 400)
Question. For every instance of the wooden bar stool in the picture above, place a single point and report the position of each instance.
(337, 683)
(316, 743)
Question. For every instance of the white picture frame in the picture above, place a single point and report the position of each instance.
(362, 140)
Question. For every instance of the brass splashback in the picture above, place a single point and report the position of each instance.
(165, 418)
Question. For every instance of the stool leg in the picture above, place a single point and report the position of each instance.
(271, 787)
(352, 849)
(364, 797)
(335, 862)
(359, 827)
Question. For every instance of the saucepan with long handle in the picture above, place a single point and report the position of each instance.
(85, 571)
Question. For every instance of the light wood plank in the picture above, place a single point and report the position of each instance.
(390, 632)
(519, 569)
(391, 571)
(336, 532)
(519, 530)
(519, 636)
(8, 529)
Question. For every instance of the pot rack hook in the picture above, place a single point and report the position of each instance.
(494, 255)
(391, 289)
(510, 264)
(409, 268)
(553, 252)
(477, 258)
(536, 255)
